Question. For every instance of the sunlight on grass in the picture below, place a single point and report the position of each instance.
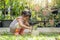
(31, 37)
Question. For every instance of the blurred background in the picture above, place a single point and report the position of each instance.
(45, 11)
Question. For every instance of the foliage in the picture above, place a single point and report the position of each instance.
(15, 7)
(42, 36)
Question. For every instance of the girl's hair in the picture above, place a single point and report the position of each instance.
(26, 13)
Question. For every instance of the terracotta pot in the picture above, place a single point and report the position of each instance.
(51, 21)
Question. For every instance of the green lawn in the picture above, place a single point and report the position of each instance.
(42, 36)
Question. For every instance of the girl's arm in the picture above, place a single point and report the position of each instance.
(20, 21)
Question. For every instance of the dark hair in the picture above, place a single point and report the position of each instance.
(26, 13)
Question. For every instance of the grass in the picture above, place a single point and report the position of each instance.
(41, 36)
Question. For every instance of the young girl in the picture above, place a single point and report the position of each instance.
(21, 23)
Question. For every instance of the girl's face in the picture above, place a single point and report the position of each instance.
(26, 18)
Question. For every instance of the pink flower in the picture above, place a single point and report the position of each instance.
(37, 8)
(45, 13)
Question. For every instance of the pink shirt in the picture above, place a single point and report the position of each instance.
(14, 23)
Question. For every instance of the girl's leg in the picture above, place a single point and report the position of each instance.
(21, 31)
(17, 31)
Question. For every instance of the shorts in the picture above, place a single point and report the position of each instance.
(24, 31)
(19, 30)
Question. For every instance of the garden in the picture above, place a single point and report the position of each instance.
(44, 14)
(42, 36)
(46, 11)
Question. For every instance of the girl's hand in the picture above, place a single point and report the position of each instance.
(30, 28)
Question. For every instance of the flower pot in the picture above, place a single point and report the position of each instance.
(0, 23)
(6, 23)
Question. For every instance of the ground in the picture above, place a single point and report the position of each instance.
(42, 36)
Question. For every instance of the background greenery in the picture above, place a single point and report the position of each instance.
(10, 9)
